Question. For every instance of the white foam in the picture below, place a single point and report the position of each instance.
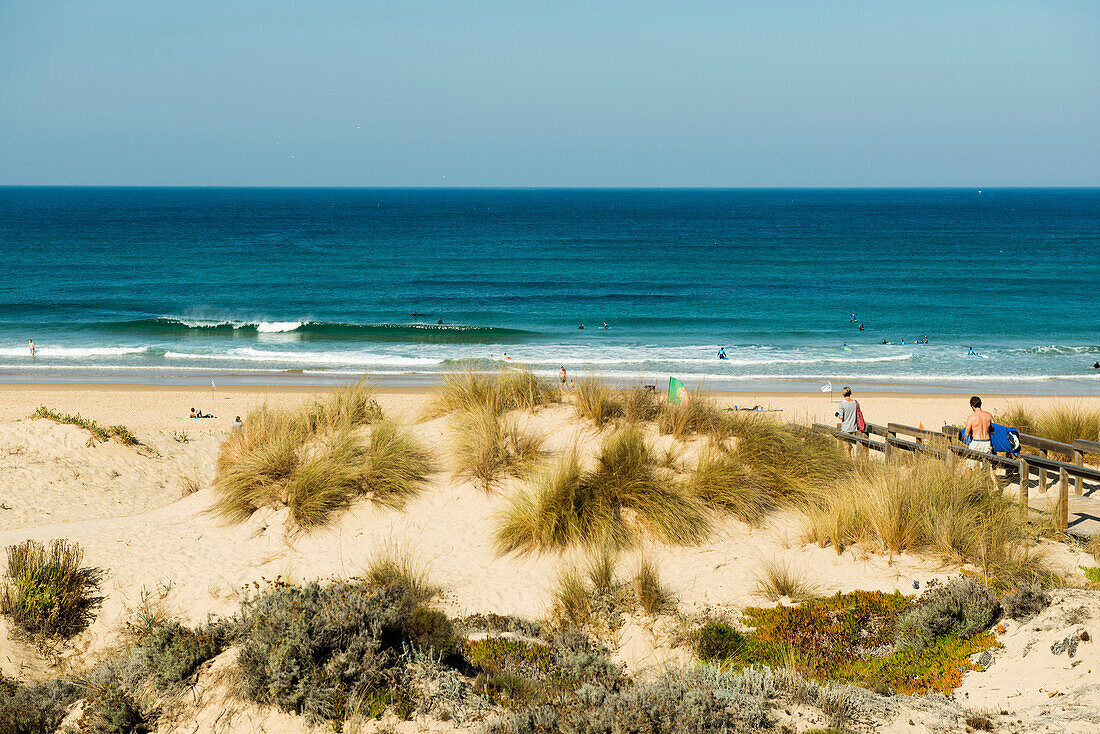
(70, 352)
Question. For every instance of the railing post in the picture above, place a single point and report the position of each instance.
(1043, 473)
(1079, 460)
(888, 450)
(1025, 471)
(1061, 507)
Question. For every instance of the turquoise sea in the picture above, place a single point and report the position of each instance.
(319, 285)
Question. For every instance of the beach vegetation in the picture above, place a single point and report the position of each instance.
(115, 708)
(1060, 422)
(391, 568)
(467, 388)
(652, 595)
(729, 485)
(595, 401)
(97, 433)
(700, 415)
(325, 651)
(48, 593)
(315, 461)
(933, 508)
(886, 642)
(181, 436)
(490, 446)
(626, 495)
(777, 578)
(35, 708)
(1093, 547)
(1026, 602)
(348, 406)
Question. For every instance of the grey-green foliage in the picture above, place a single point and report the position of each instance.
(1025, 602)
(323, 651)
(36, 708)
(702, 699)
(114, 708)
(963, 608)
(169, 654)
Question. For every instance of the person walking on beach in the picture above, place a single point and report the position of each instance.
(977, 428)
(848, 412)
(562, 377)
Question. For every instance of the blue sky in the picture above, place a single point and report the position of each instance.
(512, 93)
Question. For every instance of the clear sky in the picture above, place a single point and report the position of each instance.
(553, 93)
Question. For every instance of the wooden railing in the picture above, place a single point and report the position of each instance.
(949, 444)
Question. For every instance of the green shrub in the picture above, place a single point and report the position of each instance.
(718, 641)
(962, 609)
(169, 654)
(35, 708)
(113, 709)
(47, 593)
(324, 651)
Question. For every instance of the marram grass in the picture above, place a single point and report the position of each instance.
(466, 389)
(316, 461)
(48, 593)
(489, 447)
(624, 497)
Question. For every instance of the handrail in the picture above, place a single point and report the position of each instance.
(1027, 439)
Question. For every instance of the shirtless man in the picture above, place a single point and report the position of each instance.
(977, 427)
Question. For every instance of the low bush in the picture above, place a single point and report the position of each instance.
(114, 708)
(490, 446)
(962, 609)
(625, 495)
(1025, 602)
(848, 637)
(48, 593)
(325, 651)
(169, 654)
(34, 708)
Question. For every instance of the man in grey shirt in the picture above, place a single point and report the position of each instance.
(846, 412)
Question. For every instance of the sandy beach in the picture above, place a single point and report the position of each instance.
(145, 517)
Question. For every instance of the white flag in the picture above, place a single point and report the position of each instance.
(827, 387)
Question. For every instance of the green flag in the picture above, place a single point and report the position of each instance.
(677, 393)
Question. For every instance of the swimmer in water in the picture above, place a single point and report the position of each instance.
(861, 326)
(30, 344)
(970, 352)
(440, 322)
(581, 327)
(605, 326)
(852, 320)
(1096, 365)
(721, 352)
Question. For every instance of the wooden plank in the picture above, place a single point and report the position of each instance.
(1025, 472)
(1061, 508)
(1086, 447)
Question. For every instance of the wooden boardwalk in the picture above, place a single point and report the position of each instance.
(1084, 511)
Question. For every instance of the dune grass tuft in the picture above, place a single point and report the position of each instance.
(392, 567)
(490, 446)
(98, 433)
(48, 593)
(466, 389)
(612, 505)
(932, 507)
(700, 415)
(777, 578)
(595, 401)
(653, 597)
(1064, 422)
(315, 461)
(732, 487)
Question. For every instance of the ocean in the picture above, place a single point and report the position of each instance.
(320, 285)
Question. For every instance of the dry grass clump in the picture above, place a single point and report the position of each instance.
(466, 389)
(653, 597)
(490, 446)
(932, 507)
(724, 482)
(625, 495)
(1062, 423)
(697, 416)
(97, 433)
(315, 462)
(777, 578)
(594, 400)
(392, 567)
(792, 464)
(347, 406)
(1094, 547)
(47, 592)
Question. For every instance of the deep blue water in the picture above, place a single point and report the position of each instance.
(177, 282)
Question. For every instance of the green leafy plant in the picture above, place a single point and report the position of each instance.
(48, 593)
